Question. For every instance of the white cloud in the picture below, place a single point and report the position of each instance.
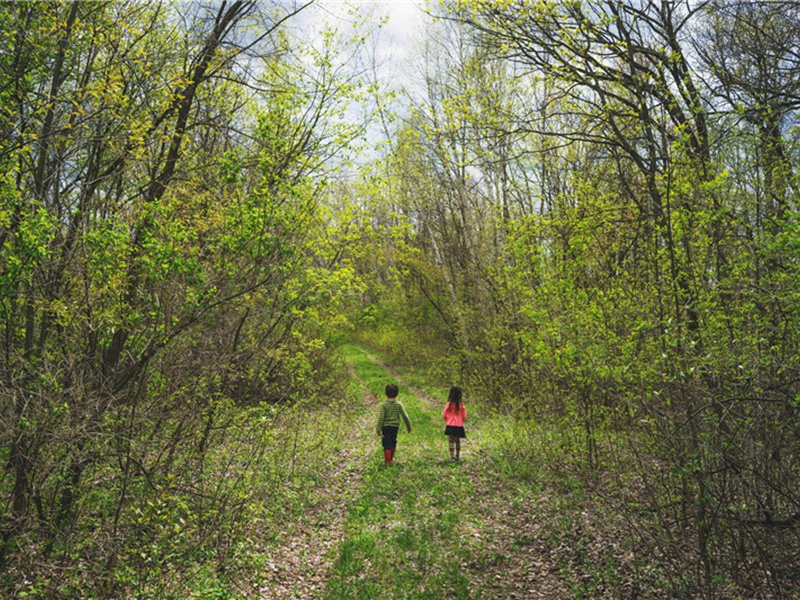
(405, 18)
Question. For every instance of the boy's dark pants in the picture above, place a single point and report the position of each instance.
(389, 437)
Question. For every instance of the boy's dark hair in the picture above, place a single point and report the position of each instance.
(455, 396)
(391, 391)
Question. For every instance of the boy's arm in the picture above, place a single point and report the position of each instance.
(381, 417)
(404, 414)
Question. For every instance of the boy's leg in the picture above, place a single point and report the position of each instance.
(389, 443)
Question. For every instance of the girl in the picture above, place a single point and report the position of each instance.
(454, 414)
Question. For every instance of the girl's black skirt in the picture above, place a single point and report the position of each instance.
(456, 432)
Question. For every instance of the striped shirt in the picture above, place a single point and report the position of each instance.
(390, 413)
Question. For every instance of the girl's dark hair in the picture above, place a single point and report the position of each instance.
(391, 391)
(455, 397)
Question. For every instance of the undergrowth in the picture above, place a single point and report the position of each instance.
(203, 530)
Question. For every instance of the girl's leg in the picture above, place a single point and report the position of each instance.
(453, 443)
(458, 448)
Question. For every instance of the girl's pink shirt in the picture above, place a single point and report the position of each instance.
(453, 417)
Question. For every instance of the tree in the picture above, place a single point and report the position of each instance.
(150, 230)
(750, 50)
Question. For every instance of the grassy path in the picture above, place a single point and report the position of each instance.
(510, 521)
(428, 528)
(408, 533)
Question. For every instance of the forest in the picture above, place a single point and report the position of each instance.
(224, 229)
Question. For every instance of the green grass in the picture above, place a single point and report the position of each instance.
(520, 504)
(415, 531)
(407, 534)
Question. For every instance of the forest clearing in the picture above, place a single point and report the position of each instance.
(227, 225)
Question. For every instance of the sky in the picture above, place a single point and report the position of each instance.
(405, 16)
(401, 30)
(393, 48)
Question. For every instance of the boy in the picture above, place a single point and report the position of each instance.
(389, 422)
